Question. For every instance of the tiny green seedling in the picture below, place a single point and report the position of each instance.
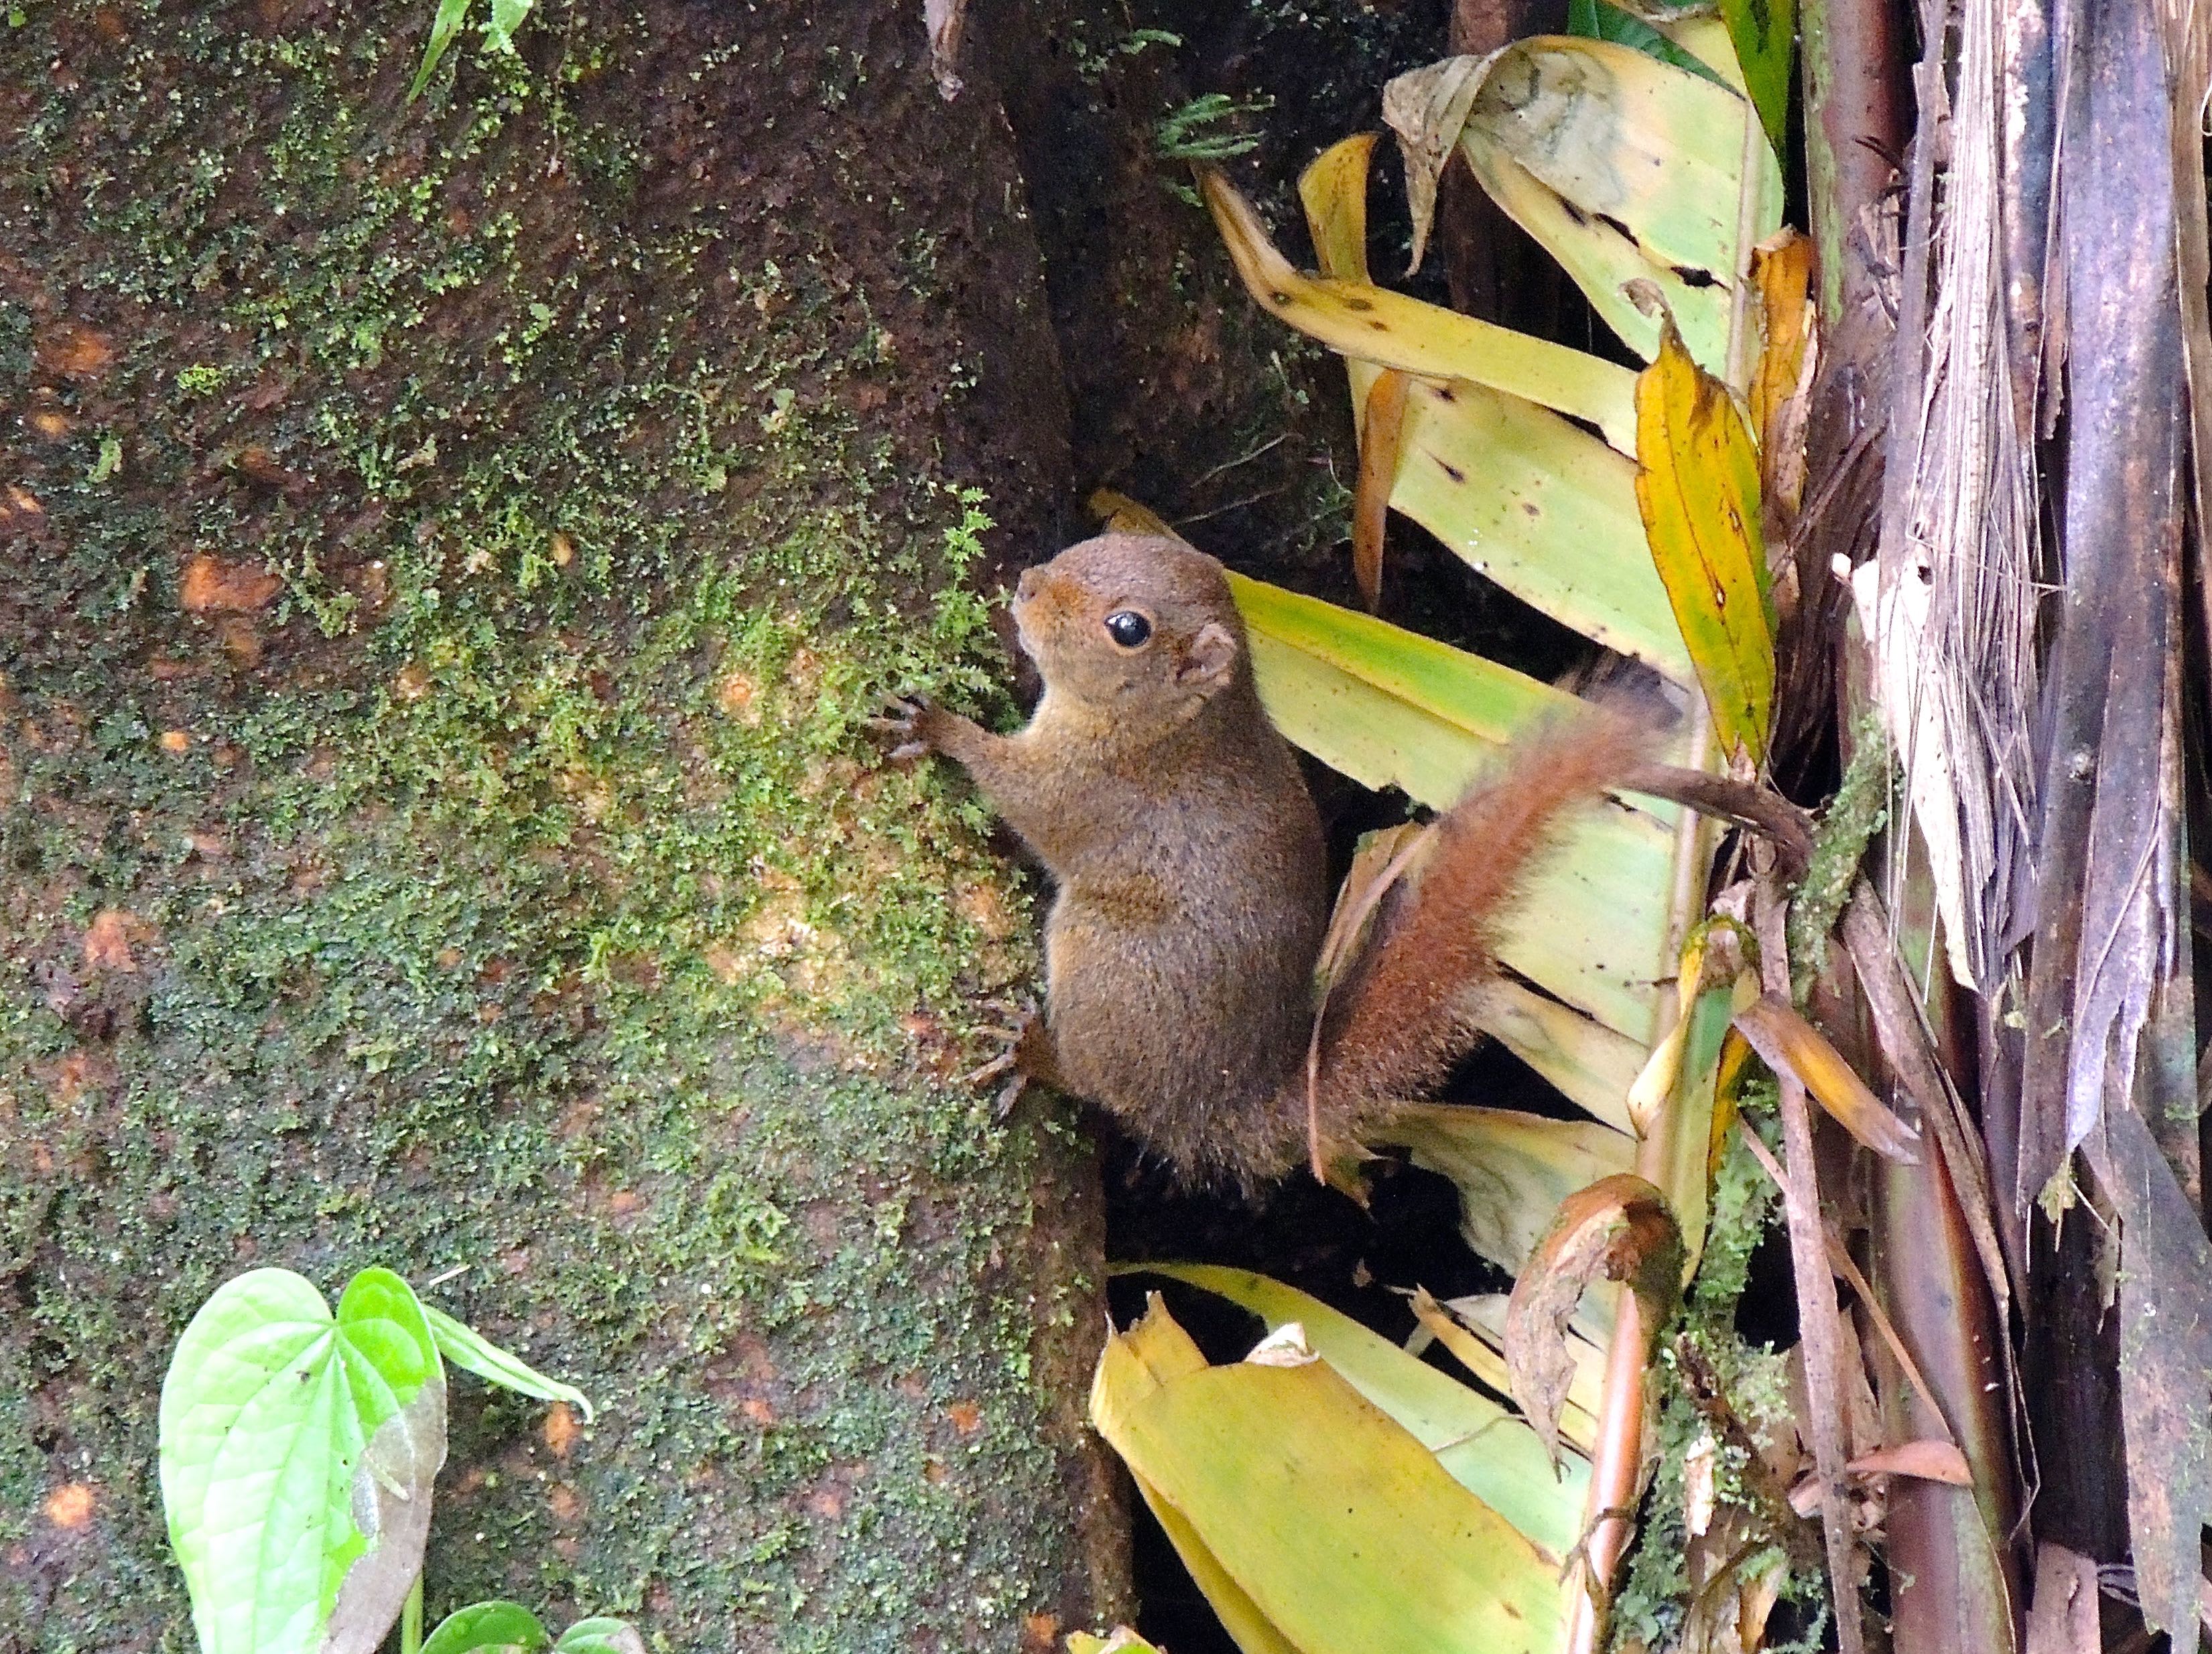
(506, 17)
(297, 1454)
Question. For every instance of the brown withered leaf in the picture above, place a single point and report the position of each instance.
(2166, 1364)
(1782, 269)
(1794, 1048)
(1736, 1576)
(1617, 1229)
(2062, 1619)
(257, 464)
(1382, 858)
(218, 585)
(1931, 1461)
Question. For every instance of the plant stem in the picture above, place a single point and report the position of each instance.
(410, 1620)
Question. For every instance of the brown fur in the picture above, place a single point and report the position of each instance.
(1191, 873)
(1407, 1013)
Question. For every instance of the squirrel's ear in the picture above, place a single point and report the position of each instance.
(1212, 653)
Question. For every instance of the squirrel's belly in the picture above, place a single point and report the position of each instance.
(1187, 1031)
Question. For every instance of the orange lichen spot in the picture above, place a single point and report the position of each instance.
(982, 904)
(967, 1417)
(560, 1429)
(108, 939)
(566, 1503)
(176, 740)
(218, 585)
(71, 1505)
(735, 695)
(241, 641)
(77, 353)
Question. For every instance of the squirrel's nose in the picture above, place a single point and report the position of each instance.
(1026, 587)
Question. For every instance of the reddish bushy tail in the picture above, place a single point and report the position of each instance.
(1406, 1014)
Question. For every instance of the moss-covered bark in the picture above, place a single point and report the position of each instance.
(503, 887)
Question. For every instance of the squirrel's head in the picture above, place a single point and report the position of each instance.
(1132, 621)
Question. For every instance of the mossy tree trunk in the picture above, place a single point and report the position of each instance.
(451, 547)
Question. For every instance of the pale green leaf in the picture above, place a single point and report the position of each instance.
(506, 16)
(497, 1628)
(444, 26)
(1481, 1442)
(1480, 1319)
(1326, 1527)
(1627, 169)
(1526, 497)
(1705, 38)
(1595, 20)
(1541, 508)
(1134, 1367)
(1512, 1170)
(1123, 1641)
(1375, 324)
(600, 1636)
(1686, 1179)
(1591, 1065)
(1763, 32)
(1391, 708)
(464, 1347)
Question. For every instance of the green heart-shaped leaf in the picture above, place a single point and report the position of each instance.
(599, 1637)
(488, 1628)
(297, 1454)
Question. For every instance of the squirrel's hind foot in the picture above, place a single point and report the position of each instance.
(1028, 1058)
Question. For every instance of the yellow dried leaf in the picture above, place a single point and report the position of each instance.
(1697, 484)
(1357, 319)
(1380, 431)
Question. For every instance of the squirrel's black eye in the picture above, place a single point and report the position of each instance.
(1128, 628)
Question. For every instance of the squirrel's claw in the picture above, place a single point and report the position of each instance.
(1028, 1057)
(1007, 1066)
(900, 723)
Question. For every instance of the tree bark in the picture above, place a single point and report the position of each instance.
(452, 547)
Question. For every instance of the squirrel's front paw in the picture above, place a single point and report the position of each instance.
(906, 725)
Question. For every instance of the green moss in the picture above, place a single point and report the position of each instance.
(1721, 1398)
(524, 899)
(1857, 812)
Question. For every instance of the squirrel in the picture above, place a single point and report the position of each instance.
(1191, 874)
